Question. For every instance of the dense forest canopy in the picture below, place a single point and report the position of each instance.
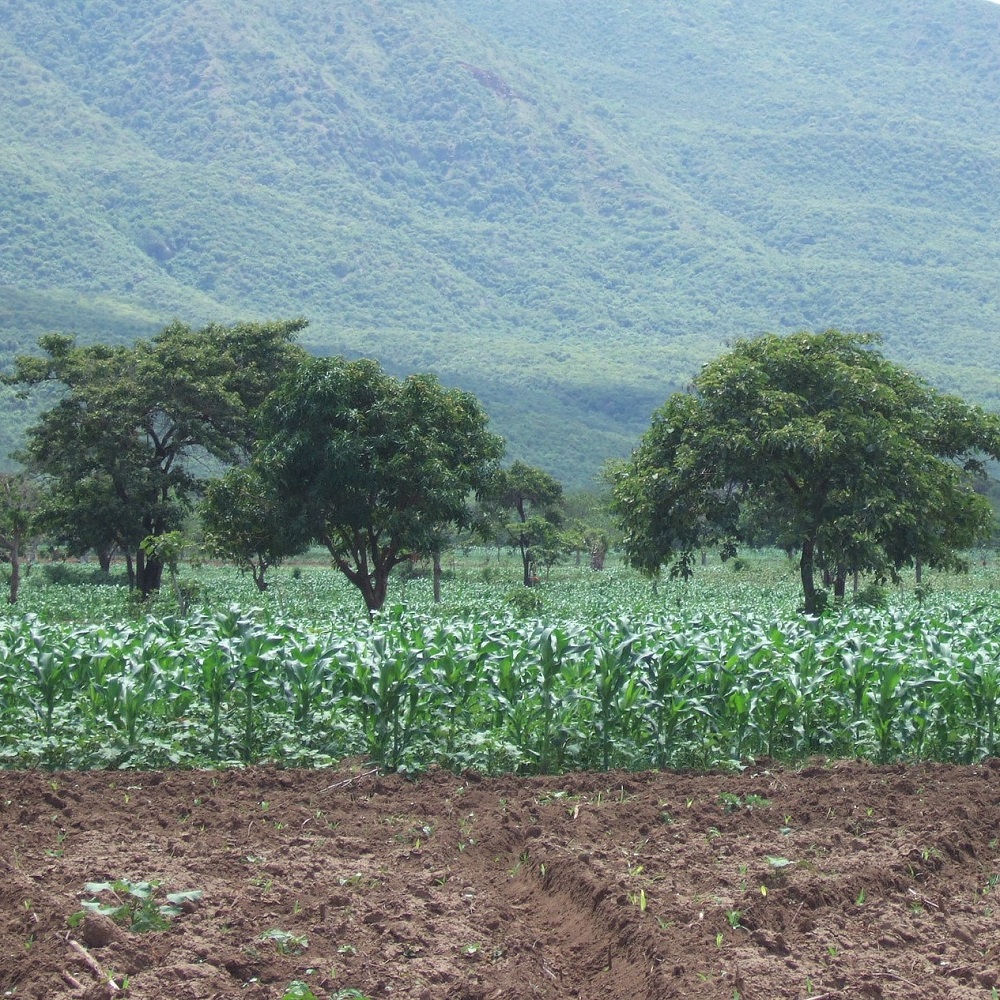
(563, 207)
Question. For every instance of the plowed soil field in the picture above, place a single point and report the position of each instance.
(834, 880)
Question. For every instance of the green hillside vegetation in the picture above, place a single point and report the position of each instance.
(565, 207)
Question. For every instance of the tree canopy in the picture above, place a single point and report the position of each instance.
(245, 523)
(373, 467)
(817, 437)
(122, 446)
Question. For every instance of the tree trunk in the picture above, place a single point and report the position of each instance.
(918, 570)
(374, 591)
(436, 560)
(15, 574)
(598, 553)
(130, 570)
(526, 560)
(806, 569)
(148, 573)
(104, 558)
(840, 582)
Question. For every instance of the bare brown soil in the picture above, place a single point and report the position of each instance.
(584, 885)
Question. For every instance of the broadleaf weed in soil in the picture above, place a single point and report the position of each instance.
(134, 905)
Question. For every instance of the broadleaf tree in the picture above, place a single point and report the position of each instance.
(371, 466)
(20, 501)
(137, 428)
(524, 506)
(854, 461)
(244, 523)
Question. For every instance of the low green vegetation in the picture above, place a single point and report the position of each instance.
(612, 671)
(137, 906)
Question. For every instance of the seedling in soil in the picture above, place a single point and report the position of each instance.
(862, 898)
(133, 904)
(298, 990)
(732, 803)
(119, 981)
(639, 899)
(734, 917)
(58, 851)
(992, 881)
(287, 942)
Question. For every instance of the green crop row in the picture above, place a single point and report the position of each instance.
(497, 693)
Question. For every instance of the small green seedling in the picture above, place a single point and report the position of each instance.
(287, 942)
(133, 904)
(298, 990)
(779, 863)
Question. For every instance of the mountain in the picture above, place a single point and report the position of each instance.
(565, 206)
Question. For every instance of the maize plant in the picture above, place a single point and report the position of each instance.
(610, 677)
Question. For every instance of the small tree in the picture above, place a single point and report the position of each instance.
(20, 499)
(535, 499)
(371, 466)
(245, 524)
(852, 460)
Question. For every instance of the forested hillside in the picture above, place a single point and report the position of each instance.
(564, 206)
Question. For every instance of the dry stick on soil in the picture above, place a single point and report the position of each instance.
(898, 978)
(94, 966)
(72, 981)
(348, 781)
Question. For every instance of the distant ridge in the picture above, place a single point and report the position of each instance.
(565, 207)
